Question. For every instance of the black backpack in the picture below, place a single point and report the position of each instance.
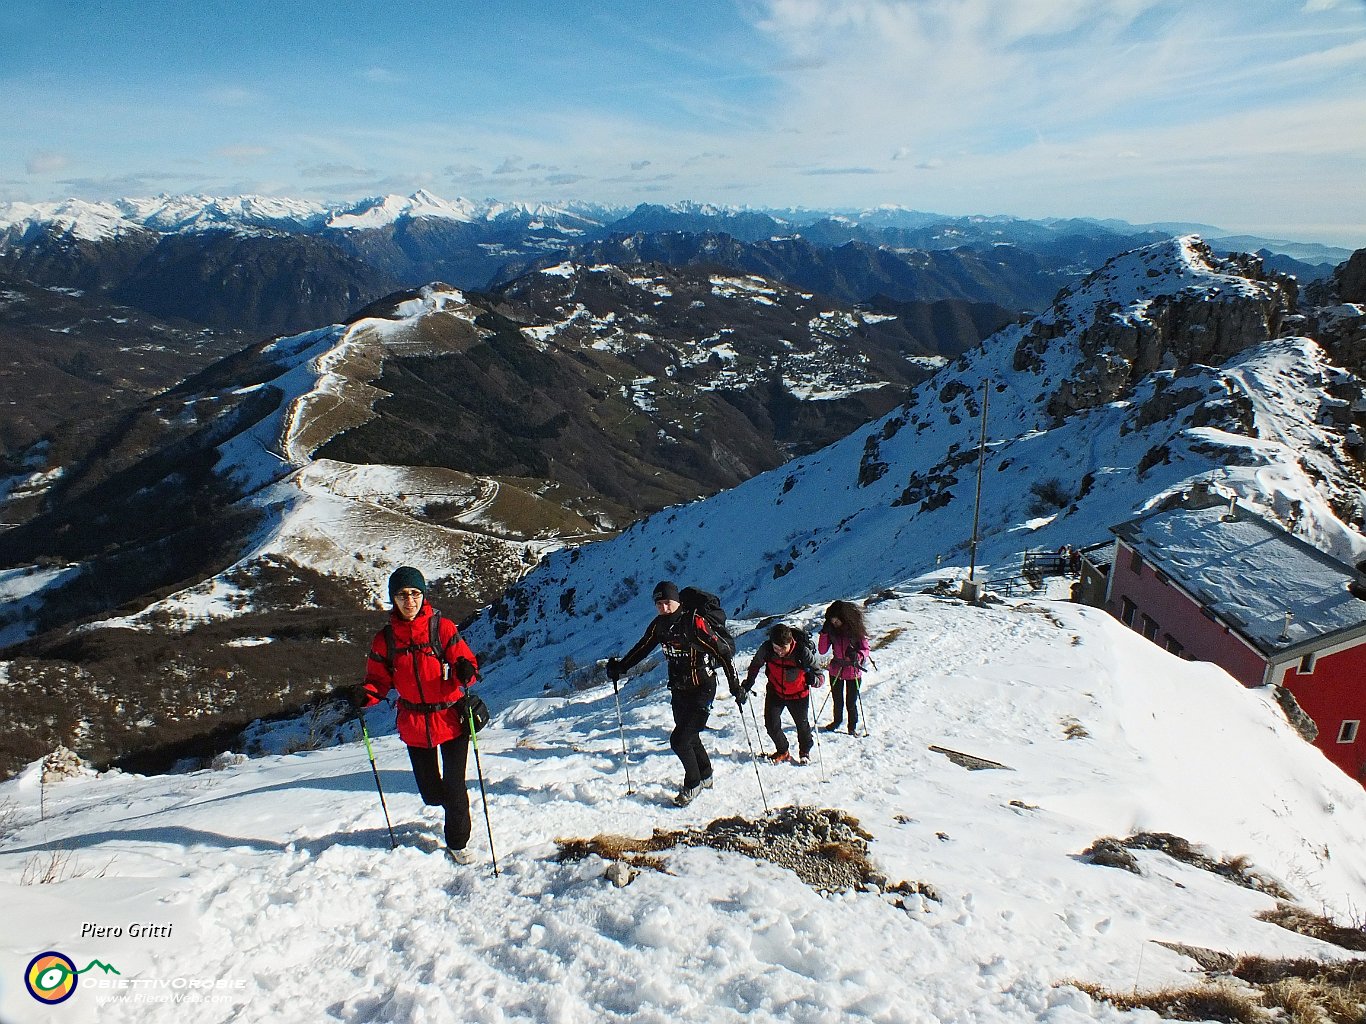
(708, 606)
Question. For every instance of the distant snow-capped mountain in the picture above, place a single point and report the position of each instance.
(191, 213)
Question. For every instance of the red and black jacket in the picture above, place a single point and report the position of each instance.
(427, 685)
(789, 677)
(690, 648)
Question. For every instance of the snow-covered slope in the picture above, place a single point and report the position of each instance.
(272, 880)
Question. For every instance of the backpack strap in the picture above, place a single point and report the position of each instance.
(434, 644)
(390, 642)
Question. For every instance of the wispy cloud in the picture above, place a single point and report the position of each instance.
(47, 162)
(242, 153)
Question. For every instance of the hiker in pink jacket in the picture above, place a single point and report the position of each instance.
(846, 638)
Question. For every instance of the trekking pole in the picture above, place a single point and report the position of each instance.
(816, 732)
(621, 728)
(483, 796)
(862, 711)
(754, 758)
(369, 750)
(757, 732)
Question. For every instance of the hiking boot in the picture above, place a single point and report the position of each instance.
(802, 760)
(780, 757)
(687, 794)
(706, 783)
(832, 726)
(462, 857)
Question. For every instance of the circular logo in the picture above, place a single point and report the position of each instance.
(51, 977)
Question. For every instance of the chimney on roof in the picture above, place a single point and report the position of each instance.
(1201, 495)
(1285, 631)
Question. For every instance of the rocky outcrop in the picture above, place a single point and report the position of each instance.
(1339, 322)
(1350, 278)
(1127, 340)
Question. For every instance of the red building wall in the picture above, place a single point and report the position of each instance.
(1179, 618)
(1332, 693)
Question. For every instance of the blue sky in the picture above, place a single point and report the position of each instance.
(1248, 114)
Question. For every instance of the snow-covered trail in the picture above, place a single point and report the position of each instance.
(278, 877)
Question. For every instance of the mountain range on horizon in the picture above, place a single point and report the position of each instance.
(92, 219)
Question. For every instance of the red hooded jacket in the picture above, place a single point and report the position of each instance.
(423, 681)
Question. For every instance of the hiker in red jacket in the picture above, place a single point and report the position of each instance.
(789, 663)
(846, 637)
(430, 685)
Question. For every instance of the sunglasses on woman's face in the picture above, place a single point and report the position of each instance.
(408, 595)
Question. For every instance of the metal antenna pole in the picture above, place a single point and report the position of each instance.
(981, 460)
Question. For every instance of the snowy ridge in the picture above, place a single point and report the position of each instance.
(321, 513)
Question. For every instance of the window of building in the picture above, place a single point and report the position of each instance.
(1347, 732)
(1135, 561)
(1174, 646)
(1307, 664)
(1127, 610)
(1149, 628)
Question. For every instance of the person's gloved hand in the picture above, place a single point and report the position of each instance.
(613, 669)
(360, 700)
(464, 670)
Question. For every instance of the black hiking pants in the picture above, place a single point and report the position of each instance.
(844, 691)
(691, 711)
(799, 709)
(444, 786)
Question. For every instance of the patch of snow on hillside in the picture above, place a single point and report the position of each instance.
(756, 289)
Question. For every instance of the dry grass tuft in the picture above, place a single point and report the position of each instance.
(1111, 852)
(1301, 991)
(1297, 919)
(843, 852)
(615, 847)
(824, 847)
(1218, 1001)
(889, 638)
(55, 865)
(1073, 729)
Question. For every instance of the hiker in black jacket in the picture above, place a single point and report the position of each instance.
(690, 648)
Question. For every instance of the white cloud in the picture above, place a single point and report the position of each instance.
(47, 162)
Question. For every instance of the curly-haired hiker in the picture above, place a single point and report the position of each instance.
(846, 638)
